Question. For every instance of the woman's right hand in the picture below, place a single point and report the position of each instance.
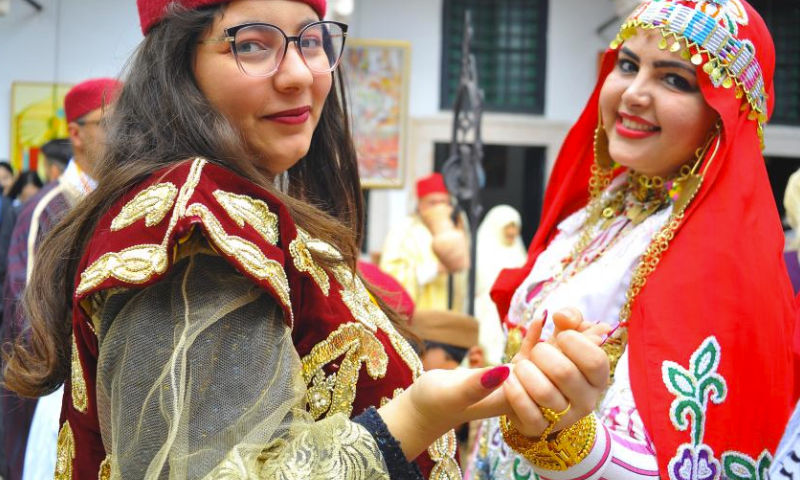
(569, 371)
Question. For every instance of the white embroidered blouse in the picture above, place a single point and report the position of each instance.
(622, 449)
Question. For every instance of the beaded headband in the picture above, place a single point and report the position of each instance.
(730, 61)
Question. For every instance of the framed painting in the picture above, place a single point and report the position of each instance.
(37, 116)
(377, 73)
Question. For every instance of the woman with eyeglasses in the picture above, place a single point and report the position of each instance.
(659, 220)
(202, 306)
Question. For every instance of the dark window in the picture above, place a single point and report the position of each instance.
(510, 45)
(783, 20)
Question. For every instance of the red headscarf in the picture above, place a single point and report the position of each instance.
(719, 303)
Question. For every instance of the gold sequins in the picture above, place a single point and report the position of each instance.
(153, 204)
(105, 469)
(246, 253)
(135, 264)
(443, 452)
(305, 263)
(246, 210)
(358, 345)
(78, 385)
(65, 453)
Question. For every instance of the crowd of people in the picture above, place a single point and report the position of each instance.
(184, 297)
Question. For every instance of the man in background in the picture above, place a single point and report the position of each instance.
(85, 106)
(57, 154)
(427, 247)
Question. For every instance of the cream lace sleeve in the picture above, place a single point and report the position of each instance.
(198, 378)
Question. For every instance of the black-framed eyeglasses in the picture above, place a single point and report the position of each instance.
(83, 122)
(259, 48)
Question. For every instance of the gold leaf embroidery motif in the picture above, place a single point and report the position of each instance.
(153, 204)
(139, 263)
(358, 300)
(358, 345)
(65, 453)
(135, 264)
(248, 254)
(305, 263)
(105, 469)
(443, 452)
(243, 209)
(78, 386)
(331, 448)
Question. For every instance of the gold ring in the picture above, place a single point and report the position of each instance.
(553, 417)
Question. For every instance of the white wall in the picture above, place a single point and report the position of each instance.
(67, 42)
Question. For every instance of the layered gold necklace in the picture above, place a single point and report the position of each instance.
(609, 219)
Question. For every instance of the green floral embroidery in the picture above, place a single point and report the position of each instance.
(693, 388)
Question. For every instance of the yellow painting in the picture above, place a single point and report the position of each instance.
(37, 116)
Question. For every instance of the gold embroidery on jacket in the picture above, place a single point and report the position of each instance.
(65, 453)
(243, 209)
(336, 393)
(78, 385)
(138, 264)
(248, 254)
(153, 204)
(135, 264)
(443, 452)
(105, 469)
(365, 310)
(332, 448)
(304, 262)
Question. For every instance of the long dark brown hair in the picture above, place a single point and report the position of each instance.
(161, 118)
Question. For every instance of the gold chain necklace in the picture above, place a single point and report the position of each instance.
(638, 198)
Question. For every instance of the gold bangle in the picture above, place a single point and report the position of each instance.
(568, 449)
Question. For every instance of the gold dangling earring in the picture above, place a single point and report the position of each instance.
(603, 166)
(689, 181)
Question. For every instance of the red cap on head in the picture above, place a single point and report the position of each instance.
(90, 95)
(433, 183)
(152, 11)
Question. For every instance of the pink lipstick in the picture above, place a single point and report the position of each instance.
(295, 116)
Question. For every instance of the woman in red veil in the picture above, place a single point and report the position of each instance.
(659, 220)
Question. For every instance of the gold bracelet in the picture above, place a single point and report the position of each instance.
(568, 449)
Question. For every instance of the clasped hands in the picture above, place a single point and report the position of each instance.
(568, 372)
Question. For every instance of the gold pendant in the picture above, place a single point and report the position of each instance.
(688, 189)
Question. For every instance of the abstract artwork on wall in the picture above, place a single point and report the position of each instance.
(377, 73)
(37, 116)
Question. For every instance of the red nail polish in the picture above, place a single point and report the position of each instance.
(544, 317)
(604, 339)
(495, 377)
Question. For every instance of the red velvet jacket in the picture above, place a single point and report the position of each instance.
(135, 245)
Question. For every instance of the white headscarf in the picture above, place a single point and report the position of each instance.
(493, 256)
(791, 201)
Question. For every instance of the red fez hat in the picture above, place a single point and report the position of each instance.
(433, 183)
(90, 95)
(152, 11)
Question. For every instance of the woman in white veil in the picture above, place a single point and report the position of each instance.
(499, 246)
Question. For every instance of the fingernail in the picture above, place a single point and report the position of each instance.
(613, 329)
(544, 317)
(604, 338)
(495, 377)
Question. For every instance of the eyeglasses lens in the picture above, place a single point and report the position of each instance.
(260, 48)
